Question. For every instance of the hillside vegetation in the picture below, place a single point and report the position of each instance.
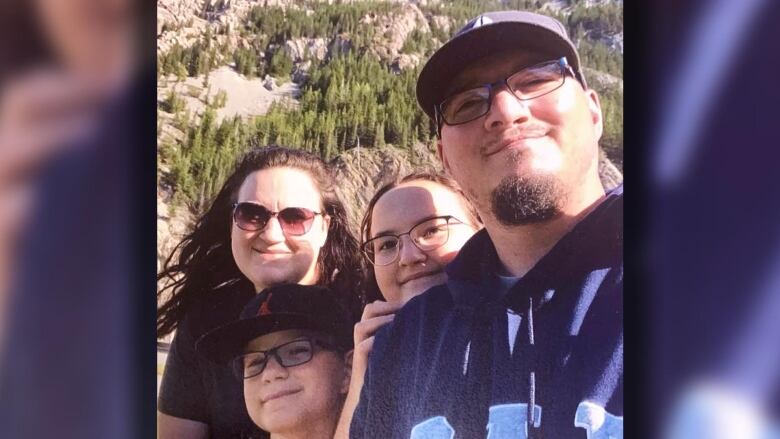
(355, 65)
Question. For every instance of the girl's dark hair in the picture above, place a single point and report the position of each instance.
(205, 262)
(371, 289)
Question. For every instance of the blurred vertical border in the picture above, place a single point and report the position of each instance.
(703, 250)
(79, 359)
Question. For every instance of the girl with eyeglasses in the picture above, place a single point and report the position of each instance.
(277, 219)
(412, 229)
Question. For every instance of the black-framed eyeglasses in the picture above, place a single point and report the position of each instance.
(292, 353)
(253, 217)
(526, 84)
(426, 235)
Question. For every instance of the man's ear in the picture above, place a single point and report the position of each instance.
(442, 156)
(347, 371)
(594, 106)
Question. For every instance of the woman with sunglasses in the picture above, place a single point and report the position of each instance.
(276, 220)
(412, 229)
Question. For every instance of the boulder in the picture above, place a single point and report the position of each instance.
(441, 22)
(269, 83)
(393, 29)
(405, 61)
(299, 49)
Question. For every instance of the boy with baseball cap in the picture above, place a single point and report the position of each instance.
(291, 347)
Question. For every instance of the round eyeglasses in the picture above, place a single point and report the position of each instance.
(426, 235)
(252, 217)
(293, 353)
(526, 84)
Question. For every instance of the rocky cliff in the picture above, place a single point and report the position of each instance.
(360, 171)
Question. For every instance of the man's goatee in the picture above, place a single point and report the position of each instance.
(526, 200)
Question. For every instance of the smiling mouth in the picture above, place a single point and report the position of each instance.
(508, 144)
(513, 138)
(270, 253)
(278, 395)
(419, 276)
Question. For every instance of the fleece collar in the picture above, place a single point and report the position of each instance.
(473, 273)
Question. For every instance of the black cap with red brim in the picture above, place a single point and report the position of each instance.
(280, 308)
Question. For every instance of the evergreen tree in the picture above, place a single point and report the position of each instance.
(350, 98)
(281, 65)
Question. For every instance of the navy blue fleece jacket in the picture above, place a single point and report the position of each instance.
(466, 359)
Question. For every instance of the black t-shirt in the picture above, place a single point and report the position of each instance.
(195, 388)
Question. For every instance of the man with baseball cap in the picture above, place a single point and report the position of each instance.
(526, 337)
(291, 347)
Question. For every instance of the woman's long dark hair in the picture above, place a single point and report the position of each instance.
(371, 289)
(205, 262)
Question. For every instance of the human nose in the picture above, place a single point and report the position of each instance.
(272, 232)
(273, 370)
(408, 253)
(505, 109)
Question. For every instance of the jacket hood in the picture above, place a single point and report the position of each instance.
(574, 253)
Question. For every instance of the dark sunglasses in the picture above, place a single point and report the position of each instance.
(253, 217)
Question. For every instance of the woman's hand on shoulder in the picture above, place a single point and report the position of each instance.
(375, 315)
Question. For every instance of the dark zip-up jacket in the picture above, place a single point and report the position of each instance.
(444, 367)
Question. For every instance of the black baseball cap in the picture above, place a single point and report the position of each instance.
(279, 308)
(490, 33)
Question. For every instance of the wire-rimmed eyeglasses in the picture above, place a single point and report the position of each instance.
(426, 235)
